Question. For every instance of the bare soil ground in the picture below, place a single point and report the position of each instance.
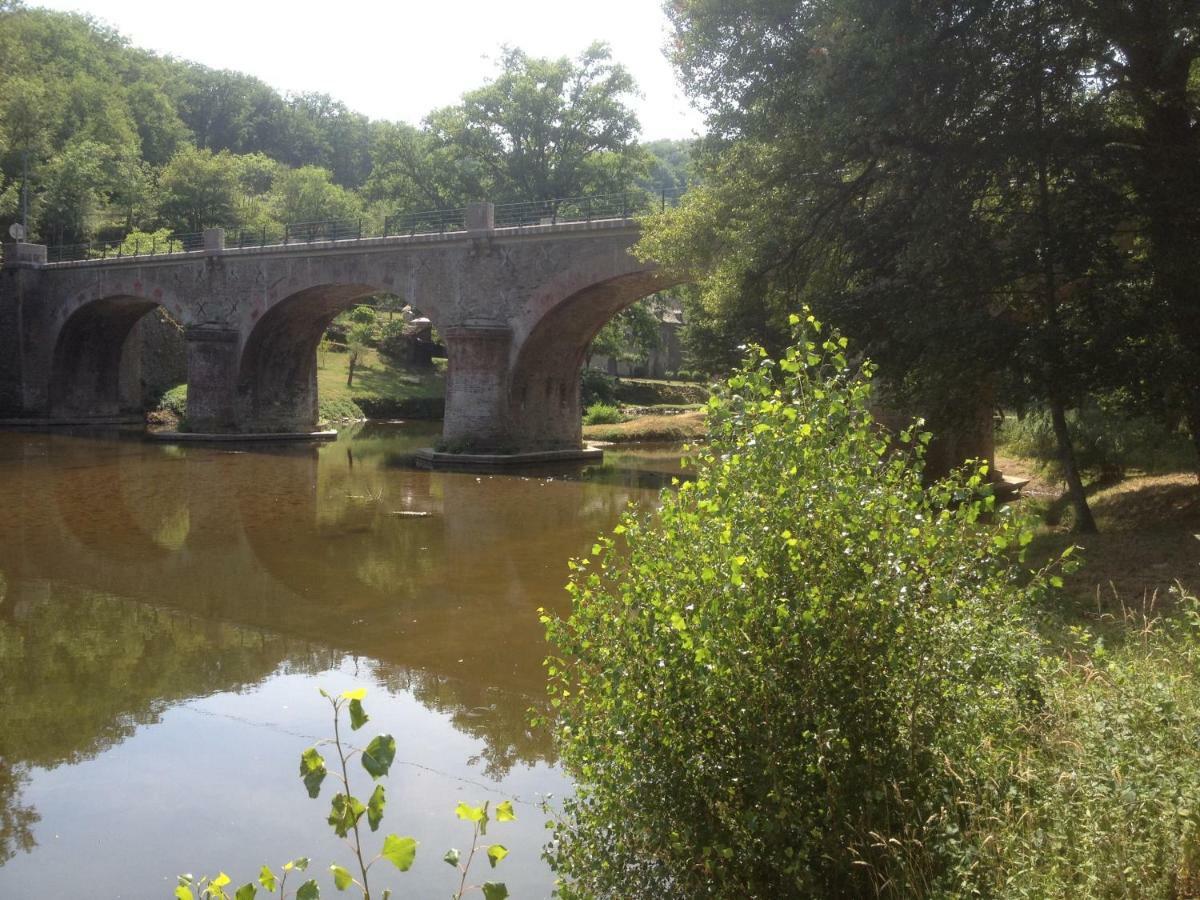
(1149, 536)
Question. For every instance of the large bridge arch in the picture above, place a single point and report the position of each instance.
(551, 343)
(89, 374)
(277, 363)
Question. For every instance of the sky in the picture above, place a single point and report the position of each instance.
(400, 59)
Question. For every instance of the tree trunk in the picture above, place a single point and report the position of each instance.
(1084, 522)
(350, 374)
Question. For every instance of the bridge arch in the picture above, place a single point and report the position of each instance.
(551, 342)
(91, 374)
(277, 366)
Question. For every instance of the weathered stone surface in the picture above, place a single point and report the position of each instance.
(516, 308)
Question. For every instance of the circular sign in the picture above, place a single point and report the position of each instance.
(17, 231)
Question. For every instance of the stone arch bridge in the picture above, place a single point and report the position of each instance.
(516, 308)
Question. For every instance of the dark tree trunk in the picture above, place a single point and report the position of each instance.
(1084, 521)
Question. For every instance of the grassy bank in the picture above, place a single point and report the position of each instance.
(380, 390)
(683, 426)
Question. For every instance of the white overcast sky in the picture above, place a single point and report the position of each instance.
(401, 59)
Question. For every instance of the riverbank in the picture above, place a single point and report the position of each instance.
(651, 427)
(1147, 542)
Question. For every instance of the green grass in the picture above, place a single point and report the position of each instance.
(374, 378)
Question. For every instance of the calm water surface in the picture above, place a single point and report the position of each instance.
(167, 615)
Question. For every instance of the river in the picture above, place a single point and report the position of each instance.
(167, 615)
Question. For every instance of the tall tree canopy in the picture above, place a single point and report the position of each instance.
(545, 128)
(944, 179)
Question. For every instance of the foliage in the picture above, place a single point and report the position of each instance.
(630, 335)
(200, 190)
(1108, 442)
(346, 816)
(1101, 802)
(308, 194)
(1041, 134)
(783, 683)
(342, 409)
(544, 128)
(597, 387)
(174, 401)
(602, 414)
(117, 139)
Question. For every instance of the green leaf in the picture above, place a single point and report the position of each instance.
(312, 770)
(246, 892)
(504, 812)
(358, 716)
(452, 857)
(308, 891)
(375, 807)
(378, 756)
(469, 813)
(344, 813)
(268, 880)
(300, 863)
(220, 881)
(494, 890)
(183, 893)
(342, 878)
(399, 851)
(495, 853)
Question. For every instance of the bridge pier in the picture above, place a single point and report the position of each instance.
(476, 415)
(212, 367)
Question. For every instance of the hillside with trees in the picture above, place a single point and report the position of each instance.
(116, 140)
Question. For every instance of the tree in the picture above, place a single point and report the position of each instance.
(630, 335)
(785, 681)
(1147, 68)
(544, 129)
(199, 190)
(308, 194)
(927, 175)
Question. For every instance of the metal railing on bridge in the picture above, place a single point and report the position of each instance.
(128, 247)
(560, 211)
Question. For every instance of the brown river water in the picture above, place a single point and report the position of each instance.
(167, 615)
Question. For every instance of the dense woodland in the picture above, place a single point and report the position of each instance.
(116, 139)
(987, 196)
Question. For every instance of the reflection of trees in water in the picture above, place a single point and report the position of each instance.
(497, 718)
(16, 821)
(80, 671)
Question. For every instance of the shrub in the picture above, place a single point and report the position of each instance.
(174, 401)
(602, 414)
(596, 387)
(783, 681)
(393, 344)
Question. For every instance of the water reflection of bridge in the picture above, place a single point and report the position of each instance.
(137, 575)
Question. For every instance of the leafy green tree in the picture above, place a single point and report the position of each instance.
(199, 190)
(631, 335)
(884, 130)
(544, 128)
(70, 203)
(308, 194)
(784, 681)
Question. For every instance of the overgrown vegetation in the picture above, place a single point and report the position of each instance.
(808, 675)
(602, 414)
(781, 684)
(1107, 442)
